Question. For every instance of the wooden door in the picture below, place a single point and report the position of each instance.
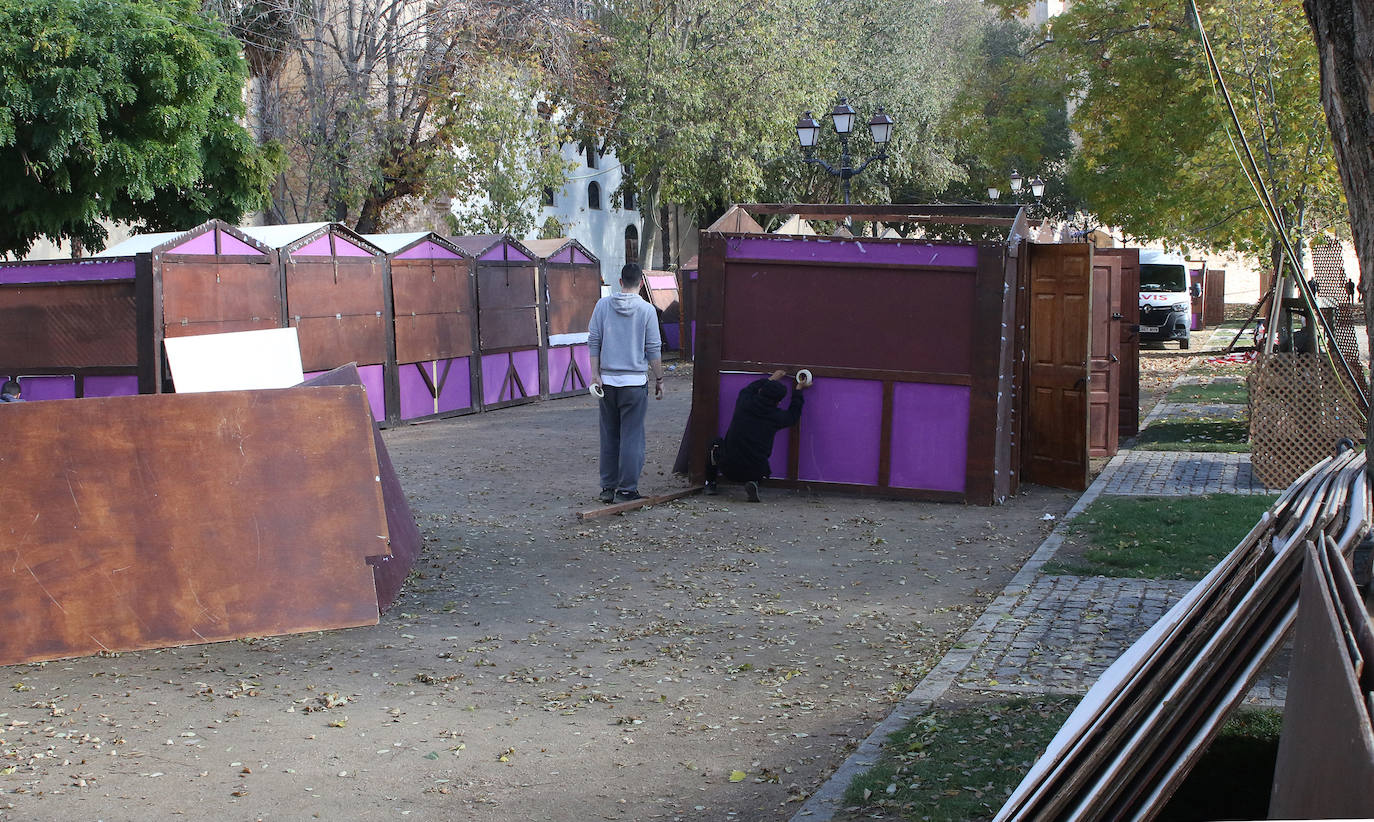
(1104, 374)
(1214, 297)
(1055, 447)
(1128, 405)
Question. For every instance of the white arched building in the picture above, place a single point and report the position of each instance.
(592, 209)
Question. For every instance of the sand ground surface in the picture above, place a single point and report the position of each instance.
(707, 659)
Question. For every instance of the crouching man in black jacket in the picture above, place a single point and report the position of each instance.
(748, 443)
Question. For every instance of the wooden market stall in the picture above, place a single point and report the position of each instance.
(662, 291)
(77, 328)
(571, 284)
(950, 365)
(508, 323)
(435, 372)
(336, 297)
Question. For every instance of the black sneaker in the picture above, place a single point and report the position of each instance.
(712, 488)
(751, 489)
(607, 495)
(627, 496)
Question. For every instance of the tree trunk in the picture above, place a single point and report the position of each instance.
(1344, 34)
(648, 210)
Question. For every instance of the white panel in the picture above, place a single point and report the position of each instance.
(237, 361)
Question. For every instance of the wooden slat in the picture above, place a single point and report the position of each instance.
(635, 505)
(159, 520)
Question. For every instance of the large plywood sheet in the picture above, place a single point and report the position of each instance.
(430, 286)
(238, 361)
(334, 286)
(423, 337)
(573, 292)
(168, 519)
(214, 291)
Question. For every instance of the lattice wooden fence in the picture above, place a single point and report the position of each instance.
(1299, 409)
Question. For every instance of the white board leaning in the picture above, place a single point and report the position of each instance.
(236, 361)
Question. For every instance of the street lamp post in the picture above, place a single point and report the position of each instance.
(808, 131)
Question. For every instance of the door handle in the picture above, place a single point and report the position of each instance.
(1080, 383)
(1118, 317)
(1113, 358)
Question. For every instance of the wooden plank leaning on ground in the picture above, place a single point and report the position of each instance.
(636, 504)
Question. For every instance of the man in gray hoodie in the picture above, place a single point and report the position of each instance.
(624, 345)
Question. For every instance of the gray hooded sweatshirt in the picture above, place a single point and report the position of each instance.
(624, 334)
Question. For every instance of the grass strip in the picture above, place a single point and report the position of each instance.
(1196, 434)
(1156, 537)
(959, 765)
(1230, 392)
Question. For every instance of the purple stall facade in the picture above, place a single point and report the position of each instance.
(1197, 277)
(509, 325)
(569, 286)
(908, 342)
(432, 294)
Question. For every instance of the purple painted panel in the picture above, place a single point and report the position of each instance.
(583, 355)
(427, 251)
(579, 257)
(670, 336)
(416, 399)
(494, 368)
(527, 366)
(563, 256)
(692, 274)
(457, 391)
(344, 248)
(559, 357)
(371, 376)
(110, 386)
(730, 385)
(929, 436)
(310, 375)
(504, 251)
(852, 251)
(1195, 278)
(840, 432)
(229, 244)
(316, 248)
(48, 388)
(199, 244)
(114, 268)
(663, 281)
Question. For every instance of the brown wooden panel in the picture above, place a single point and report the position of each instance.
(344, 285)
(508, 328)
(425, 337)
(1056, 449)
(430, 286)
(506, 286)
(207, 291)
(160, 520)
(1214, 297)
(1104, 370)
(573, 292)
(328, 342)
(887, 319)
(193, 329)
(68, 324)
(1128, 403)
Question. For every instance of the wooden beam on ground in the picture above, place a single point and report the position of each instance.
(636, 504)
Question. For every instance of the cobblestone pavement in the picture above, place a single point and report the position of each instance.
(1179, 473)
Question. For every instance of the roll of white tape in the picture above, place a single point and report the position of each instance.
(596, 390)
(804, 376)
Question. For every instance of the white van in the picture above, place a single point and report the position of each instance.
(1165, 299)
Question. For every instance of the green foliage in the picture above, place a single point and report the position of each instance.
(959, 765)
(1158, 153)
(120, 109)
(506, 154)
(1156, 537)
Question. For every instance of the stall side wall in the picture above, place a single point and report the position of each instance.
(572, 290)
(436, 336)
(907, 345)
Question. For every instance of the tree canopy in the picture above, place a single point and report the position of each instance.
(1158, 154)
(120, 109)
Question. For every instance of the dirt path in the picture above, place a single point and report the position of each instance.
(537, 668)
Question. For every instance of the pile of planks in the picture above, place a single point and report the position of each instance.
(1143, 725)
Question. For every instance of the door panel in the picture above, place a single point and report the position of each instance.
(1104, 381)
(1056, 442)
(1128, 406)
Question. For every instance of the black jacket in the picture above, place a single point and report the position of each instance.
(749, 440)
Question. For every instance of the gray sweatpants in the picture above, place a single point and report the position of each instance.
(622, 436)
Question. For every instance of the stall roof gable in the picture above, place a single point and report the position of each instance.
(281, 236)
(736, 221)
(481, 245)
(186, 242)
(394, 244)
(551, 248)
(298, 238)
